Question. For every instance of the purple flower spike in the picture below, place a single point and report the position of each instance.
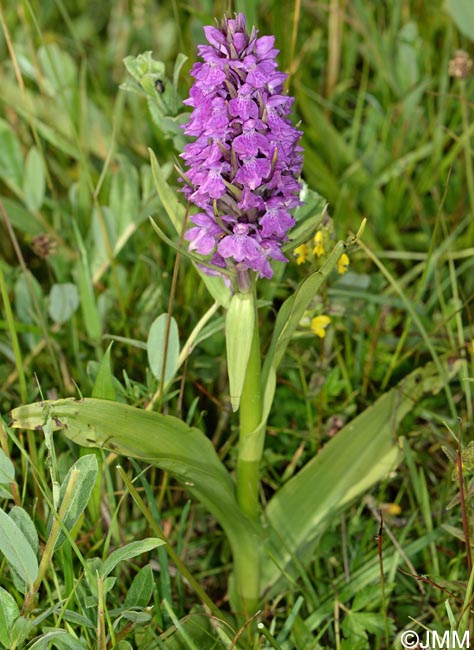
(245, 161)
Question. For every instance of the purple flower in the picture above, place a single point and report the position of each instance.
(245, 161)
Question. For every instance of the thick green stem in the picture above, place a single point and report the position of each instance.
(250, 438)
(247, 560)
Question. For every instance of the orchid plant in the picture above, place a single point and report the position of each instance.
(242, 173)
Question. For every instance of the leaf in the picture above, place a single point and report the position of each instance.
(24, 522)
(157, 340)
(127, 552)
(359, 623)
(362, 453)
(17, 550)
(239, 329)
(288, 319)
(124, 194)
(104, 387)
(9, 612)
(203, 634)
(462, 13)
(34, 180)
(7, 469)
(59, 639)
(28, 296)
(58, 68)
(11, 158)
(21, 218)
(63, 302)
(160, 439)
(90, 312)
(20, 631)
(77, 485)
(141, 589)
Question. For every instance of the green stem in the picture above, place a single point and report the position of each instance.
(247, 560)
(250, 438)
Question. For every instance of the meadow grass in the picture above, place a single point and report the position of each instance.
(387, 137)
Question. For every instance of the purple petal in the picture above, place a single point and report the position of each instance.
(253, 171)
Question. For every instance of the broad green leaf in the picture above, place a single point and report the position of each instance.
(159, 343)
(11, 158)
(127, 552)
(17, 550)
(24, 522)
(104, 387)
(9, 612)
(141, 589)
(77, 488)
(7, 469)
(63, 302)
(362, 453)
(34, 182)
(175, 211)
(239, 326)
(160, 439)
(462, 13)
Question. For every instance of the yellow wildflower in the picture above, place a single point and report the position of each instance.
(301, 253)
(390, 509)
(318, 244)
(343, 263)
(319, 324)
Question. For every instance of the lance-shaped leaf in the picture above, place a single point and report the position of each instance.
(79, 482)
(163, 342)
(288, 319)
(163, 440)
(362, 453)
(17, 550)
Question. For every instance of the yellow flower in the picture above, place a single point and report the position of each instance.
(319, 324)
(343, 263)
(390, 509)
(318, 244)
(301, 253)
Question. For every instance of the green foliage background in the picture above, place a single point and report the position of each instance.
(387, 137)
